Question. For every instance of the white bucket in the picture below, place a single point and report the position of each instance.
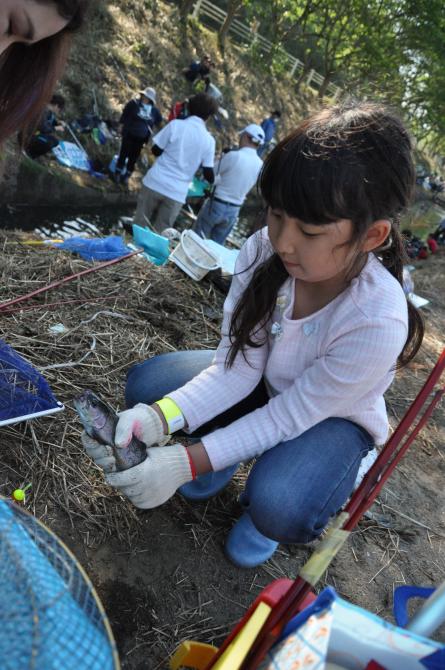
(193, 257)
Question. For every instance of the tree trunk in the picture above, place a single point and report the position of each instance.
(185, 7)
(324, 85)
(232, 8)
(303, 75)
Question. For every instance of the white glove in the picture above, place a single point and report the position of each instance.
(144, 423)
(154, 481)
(102, 454)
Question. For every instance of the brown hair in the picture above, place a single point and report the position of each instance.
(29, 73)
(350, 161)
(202, 105)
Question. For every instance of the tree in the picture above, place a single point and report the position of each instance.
(233, 6)
(185, 8)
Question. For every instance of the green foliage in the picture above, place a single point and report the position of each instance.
(279, 61)
(388, 49)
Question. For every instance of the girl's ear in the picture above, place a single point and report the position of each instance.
(376, 235)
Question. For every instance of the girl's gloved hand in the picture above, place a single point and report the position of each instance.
(101, 454)
(143, 422)
(154, 481)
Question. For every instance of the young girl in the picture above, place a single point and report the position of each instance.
(314, 325)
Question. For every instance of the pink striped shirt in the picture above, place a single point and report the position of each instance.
(337, 362)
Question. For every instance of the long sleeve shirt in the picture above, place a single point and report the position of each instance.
(337, 362)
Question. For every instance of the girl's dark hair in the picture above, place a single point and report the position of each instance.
(29, 73)
(350, 161)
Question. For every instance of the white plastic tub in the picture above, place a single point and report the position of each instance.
(193, 257)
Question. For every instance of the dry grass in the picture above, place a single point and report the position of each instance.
(113, 318)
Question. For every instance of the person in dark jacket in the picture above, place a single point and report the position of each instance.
(44, 139)
(138, 120)
(199, 71)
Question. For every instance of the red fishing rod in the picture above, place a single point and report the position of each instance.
(65, 280)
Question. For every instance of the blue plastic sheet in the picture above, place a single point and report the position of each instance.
(70, 155)
(96, 249)
(197, 188)
(156, 247)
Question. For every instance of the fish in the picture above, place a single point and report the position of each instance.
(99, 421)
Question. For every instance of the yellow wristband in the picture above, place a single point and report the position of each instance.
(173, 415)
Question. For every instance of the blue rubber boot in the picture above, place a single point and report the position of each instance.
(246, 546)
(207, 486)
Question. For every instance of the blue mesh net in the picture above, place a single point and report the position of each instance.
(23, 390)
(50, 616)
(96, 249)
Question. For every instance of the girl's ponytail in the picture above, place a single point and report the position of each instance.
(393, 258)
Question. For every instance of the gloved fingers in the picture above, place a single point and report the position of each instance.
(141, 421)
(101, 454)
(107, 464)
(139, 405)
(163, 441)
(126, 478)
(142, 502)
(88, 441)
(124, 430)
(129, 491)
(97, 451)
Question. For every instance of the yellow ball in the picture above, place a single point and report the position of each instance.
(19, 495)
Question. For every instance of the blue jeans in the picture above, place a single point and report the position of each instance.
(216, 220)
(294, 488)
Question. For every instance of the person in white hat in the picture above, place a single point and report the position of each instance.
(139, 118)
(236, 174)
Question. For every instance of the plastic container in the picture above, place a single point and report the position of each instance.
(193, 257)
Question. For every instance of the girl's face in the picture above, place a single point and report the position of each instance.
(28, 21)
(311, 253)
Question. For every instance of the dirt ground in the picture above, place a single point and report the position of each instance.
(161, 574)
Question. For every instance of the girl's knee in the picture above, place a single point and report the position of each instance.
(153, 379)
(284, 522)
(136, 385)
(144, 380)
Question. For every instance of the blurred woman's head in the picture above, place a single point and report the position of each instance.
(34, 43)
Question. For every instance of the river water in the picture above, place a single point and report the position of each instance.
(64, 222)
(53, 221)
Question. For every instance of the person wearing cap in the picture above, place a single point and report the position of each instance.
(181, 148)
(139, 118)
(236, 174)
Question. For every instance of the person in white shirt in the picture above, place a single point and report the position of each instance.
(315, 323)
(236, 174)
(182, 147)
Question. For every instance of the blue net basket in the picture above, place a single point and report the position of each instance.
(96, 249)
(50, 615)
(23, 390)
